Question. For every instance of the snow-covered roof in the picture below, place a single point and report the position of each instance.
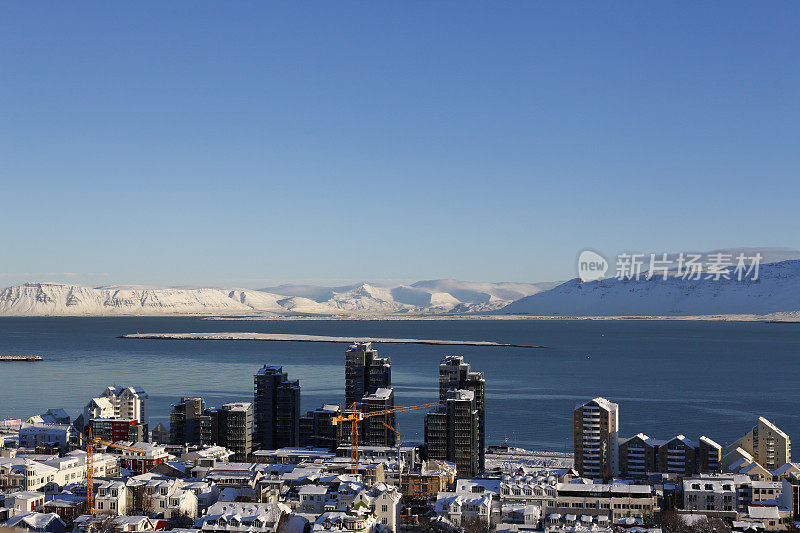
(601, 402)
(33, 520)
(237, 406)
(772, 426)
(763, 512)
(710, 442)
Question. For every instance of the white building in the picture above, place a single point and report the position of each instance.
(384, 501)
(462, 507)
(62, 436)
(229, 517)
(53, 474)
(614, 501)
(118, 402)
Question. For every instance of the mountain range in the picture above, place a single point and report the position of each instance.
(775, 292)
(423, 297)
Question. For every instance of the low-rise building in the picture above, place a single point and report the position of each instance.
(227, 517)
(61, 436)
(616, 501)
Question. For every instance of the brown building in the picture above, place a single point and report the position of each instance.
(596, 430)
(640, 455)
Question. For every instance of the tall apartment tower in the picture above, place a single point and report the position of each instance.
(232, 428)
(364, 372)
(452, 432)
(277, 408)
(368, 382)
(769, 446)
(374, 432)
(189, 423)
(596, 438)
(455, 374)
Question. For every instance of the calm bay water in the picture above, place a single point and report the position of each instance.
(669, 377)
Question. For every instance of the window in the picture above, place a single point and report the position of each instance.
(384, 508)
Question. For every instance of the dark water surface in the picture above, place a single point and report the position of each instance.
(669, 377)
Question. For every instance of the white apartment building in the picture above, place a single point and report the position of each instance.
(61, 435)
(112, 497)
(53, 474)
(118, 402)
(233, 517)
(165, 495)
(384, 501)
(313, 499)
(713, 495)
(460, 507)
(529, 488)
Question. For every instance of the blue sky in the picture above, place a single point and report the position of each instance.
(250, 143)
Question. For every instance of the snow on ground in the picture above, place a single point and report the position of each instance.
(517, 457)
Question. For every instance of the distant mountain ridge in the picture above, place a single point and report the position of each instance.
(425, 297)
(777, 290)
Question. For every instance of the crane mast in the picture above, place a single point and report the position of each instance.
(355, 416)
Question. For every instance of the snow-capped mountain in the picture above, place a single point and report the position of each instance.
(445, 296)
(777, 290)
(433, 296)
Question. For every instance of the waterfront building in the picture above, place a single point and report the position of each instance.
(189, 423)
(455, 374)
(596, 430)
(365, 372)
(232, 428)
(316, 429)
(452, 432)
(769, 446)
(641, 455)
(277, 408)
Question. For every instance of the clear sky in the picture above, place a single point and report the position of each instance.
(247, 143)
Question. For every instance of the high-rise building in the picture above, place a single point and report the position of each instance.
(232, 428)
(596, 431)
(189, 423)
(364, 372)
(374, 430)
(119, 403)
(160, 434)
(452, 432)
(455, 374)
(317, 429)
(769, 446)
(277, 408)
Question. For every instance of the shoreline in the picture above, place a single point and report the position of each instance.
(288, 337)
(775, 318)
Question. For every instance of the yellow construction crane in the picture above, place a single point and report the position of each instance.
(90, 445)
(354, 416)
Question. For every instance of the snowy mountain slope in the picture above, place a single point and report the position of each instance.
(423, 296)
(482, 292)
(776, 291)
(53, 299)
